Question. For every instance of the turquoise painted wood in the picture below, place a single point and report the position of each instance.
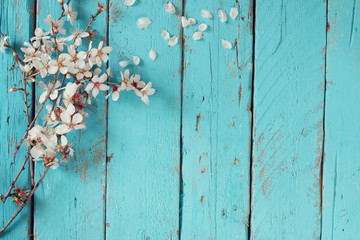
(260, 141)
(341, 166)
(216, 125)
(16, 21)
(76, 189)
(145, 140)
(290, 41)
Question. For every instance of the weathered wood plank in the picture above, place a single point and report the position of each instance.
(72, 195)
(217, 124)
(341, 211)
(16, 21)
(143, 175)
(288, 119)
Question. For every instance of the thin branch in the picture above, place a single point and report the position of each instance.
(25, 202)
(26, 102)
(15, 179)
(93, 17)
(23, 138)
(17, 58)
(36, 115)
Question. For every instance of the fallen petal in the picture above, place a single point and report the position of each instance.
(192, 21)
(222, 15)
(234, 13)
(123, 64)
(173, 41)
(169, 7)
(136, 60)
(202, 27)
(227, 44)
(197, 35)
(152, 54)
(143, 22)
(165, 35)
(184, 22)
(129, 3)
(206, 13)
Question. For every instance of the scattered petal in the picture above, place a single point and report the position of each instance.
(184, 22)
(206, 13)
(192, 21)
(152, 54)
(202, 27)
(173, 41)
(169, 7)
(165, 35)
(227, 44)
(136, 60)
(123, 64)
(222, 15)
(143, 22)
(197, 35)
(129, 3)
(234, 13)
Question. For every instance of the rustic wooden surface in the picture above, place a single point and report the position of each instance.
(260, 141)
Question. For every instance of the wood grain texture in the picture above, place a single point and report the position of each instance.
(341, 211)
(288, 119)
(72, 196)
(143, 175)
(16, 21)
(217, 124)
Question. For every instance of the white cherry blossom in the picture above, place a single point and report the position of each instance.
(145, 93)
(70, 13)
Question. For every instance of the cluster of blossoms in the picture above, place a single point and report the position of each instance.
(72, 76)
(50, 54)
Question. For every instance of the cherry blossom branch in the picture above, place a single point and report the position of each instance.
(26, 102)
(22, 140)
(17, 58)
(25, 202)
(3, 198)
(36, 116)
(100, 9)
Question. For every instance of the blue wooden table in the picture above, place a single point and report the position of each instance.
(261, 141)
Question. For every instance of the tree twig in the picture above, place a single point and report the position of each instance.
(25, 202)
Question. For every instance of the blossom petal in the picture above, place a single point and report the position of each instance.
(115, 96)
(206, 13)
(143, 22)
(62, 129)
(65, 117)
(234, 13)
(77, 118)
(202, 27)
(107, 49)
(145, 99)
(191, 21)
(123, 64)
(104, 87)
(197, 36)
(184, 22)
(152, 54)
(173, 41)
(43, 97)
(136, 60)
(227, 44)
(222, 15)
(129, 3)
(169, 7)
(89, 87)
(64, 141)
(95, 92)
(165, 35)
